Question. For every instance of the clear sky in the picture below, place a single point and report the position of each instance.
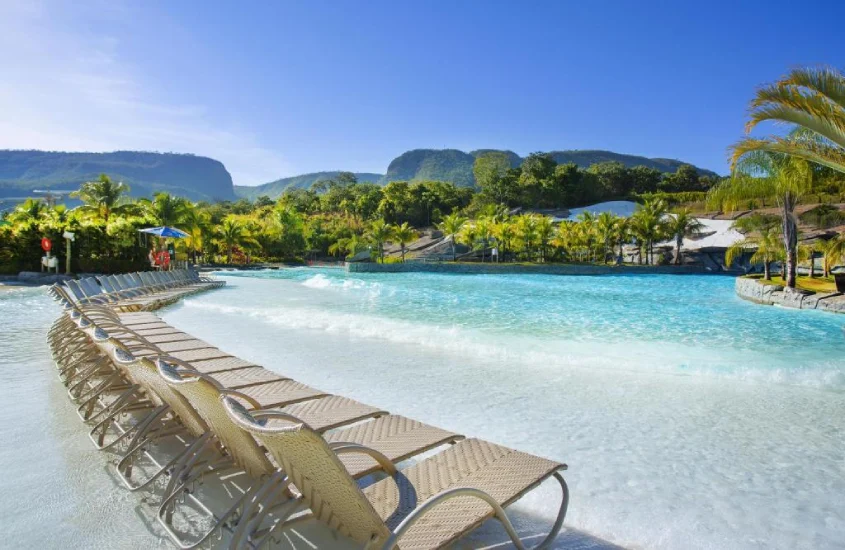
(275, 89)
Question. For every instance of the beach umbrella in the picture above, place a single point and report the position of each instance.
(165, 232)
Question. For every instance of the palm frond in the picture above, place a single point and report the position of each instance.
(826, 81)
(819, 153)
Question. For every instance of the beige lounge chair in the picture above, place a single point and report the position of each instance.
(429, 505)
(265, 488)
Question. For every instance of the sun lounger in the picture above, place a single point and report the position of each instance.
(429, 505)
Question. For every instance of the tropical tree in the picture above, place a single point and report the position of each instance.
(379, 233)
(762, 174)
(648, 226)
(606, 228)
(765, 246)
(545, 233)
(834, 251)
(104, 198)
(810, 101)
(682, 224)
(30, 210)
(504, 232)
(451, 226)
(165, 209)
(197, 224)
(232, 233)
(348, 245)
(403, 234)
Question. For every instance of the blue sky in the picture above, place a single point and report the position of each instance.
(275, 89)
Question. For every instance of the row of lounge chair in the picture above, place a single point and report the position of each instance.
(230, 448)
(144, 290)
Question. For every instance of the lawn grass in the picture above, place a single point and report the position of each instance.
(816, 284)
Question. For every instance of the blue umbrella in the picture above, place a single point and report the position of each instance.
(165, 232)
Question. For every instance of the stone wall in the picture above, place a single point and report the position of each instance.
(755, 291)
(493, 268)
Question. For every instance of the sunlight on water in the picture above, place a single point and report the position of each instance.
(689, 418)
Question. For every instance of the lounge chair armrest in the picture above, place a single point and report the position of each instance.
(498, 511)
(447, 495)
(340, 447)
(281, 415)
(234, 393)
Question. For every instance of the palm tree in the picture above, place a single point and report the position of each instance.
(165, 209)
(586, 232)
(379, 233)
(232, 233)
(648, 226)
(504, 232)
(545, 232)
(605, 229)
(526, 230)
(622, 233)
(834, 251)
(350, 245)
(812, 102)
(403, 234)
(197, 224)
(451, 226)
(766, 246)
(681, 225)
(103, 197)
(30, 210)
(761, 174)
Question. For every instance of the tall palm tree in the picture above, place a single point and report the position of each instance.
(451, 226)
(379, 233)
(762, 174)
(403, 234)
(811, 101)
(681, 225)
(103, 198)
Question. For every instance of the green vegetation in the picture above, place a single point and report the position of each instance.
(785, 169)
(274, 189)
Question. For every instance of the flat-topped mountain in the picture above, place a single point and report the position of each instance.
(197, 178)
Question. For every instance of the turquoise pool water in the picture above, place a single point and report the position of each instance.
(681, 325)
(689, 418)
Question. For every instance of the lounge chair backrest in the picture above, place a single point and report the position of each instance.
(136, 277)
(143, 372)
(128, 281)
(76, 290)
(325, 484)
(90, 286)
(106, 284)
(62, 294)
(203, 393)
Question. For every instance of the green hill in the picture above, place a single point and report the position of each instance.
(456, 166)
(274, 189)
(197, 178)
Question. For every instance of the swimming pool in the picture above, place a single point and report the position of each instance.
(689, 418)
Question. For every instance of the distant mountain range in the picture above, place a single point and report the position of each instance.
(276, 188)
(197, 178)
(455, 166)
(201, 178)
